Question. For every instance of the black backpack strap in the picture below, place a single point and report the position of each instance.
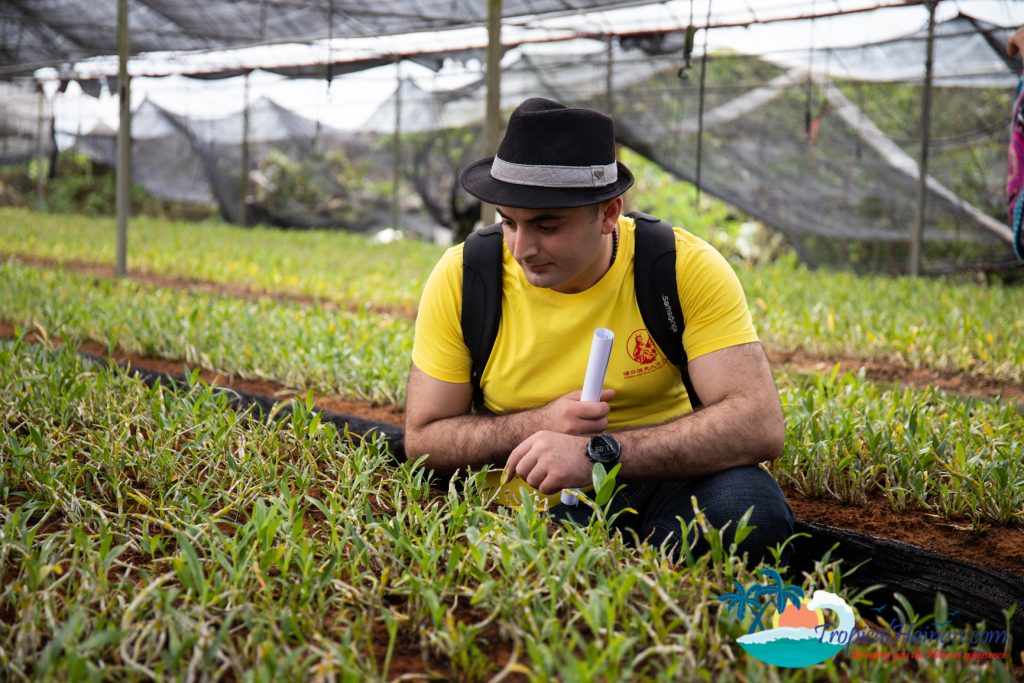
(657, 292)
(481, 300)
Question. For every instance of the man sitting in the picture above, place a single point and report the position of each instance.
(568, 268)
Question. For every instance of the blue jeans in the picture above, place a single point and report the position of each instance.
(724, 497)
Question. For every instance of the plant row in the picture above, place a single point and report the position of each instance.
(146, 534)
(939, 324)
(855, 440)
(334, 265)
(359, 355)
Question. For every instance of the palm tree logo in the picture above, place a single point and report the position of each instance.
(743, 599)
(779, 595)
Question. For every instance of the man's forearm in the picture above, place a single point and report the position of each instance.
(730, 433)
(437, 423)
(470, 440)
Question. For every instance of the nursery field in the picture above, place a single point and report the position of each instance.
(152, 532)
(315, 263)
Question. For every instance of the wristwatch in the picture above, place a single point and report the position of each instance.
(605, 449)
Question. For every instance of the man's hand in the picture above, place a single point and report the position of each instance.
(1015, 45)
(550, 461)
(569, 415)
(438, 423)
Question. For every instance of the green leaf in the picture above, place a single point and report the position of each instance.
(195, 568)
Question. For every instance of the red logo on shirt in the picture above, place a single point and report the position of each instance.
(641, 347)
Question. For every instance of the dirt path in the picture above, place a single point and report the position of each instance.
(799, 361)
(997, 547)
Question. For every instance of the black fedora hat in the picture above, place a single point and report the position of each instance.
(551, 157)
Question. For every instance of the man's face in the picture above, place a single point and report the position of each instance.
(567, 250)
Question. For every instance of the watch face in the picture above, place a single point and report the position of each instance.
(603, 449)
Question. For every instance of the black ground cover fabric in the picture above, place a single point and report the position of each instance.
(973, 593)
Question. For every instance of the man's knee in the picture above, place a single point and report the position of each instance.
(726, 497)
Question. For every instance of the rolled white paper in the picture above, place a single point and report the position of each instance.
(600, 352)
(593, 381)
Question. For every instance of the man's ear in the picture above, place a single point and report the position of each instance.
(610, 214)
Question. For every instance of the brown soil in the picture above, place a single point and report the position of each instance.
(799, 361)
(996, 547)
(413, 658)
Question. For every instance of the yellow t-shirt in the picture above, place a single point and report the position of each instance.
(544, 337)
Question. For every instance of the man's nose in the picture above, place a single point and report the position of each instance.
(523, 245)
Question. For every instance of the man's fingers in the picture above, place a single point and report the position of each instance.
(528, 465)
(588, 427)
(535, 478)
(514, 457)
(547, 486)
(593, 410)
(523, 460)
(549, 461)
(528, 469)
(606, 396)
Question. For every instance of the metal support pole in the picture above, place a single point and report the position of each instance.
(51, 131)
(396, 149)
(492, 122)
(124, 139)
(40, 117)
(609, 107)
(917, 236)
(700, 106)
(329, 74)
(609, 95)
(243, 175)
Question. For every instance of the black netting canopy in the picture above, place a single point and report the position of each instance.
(35, 33)
(821, 143)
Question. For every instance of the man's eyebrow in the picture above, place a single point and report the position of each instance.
(539, 218)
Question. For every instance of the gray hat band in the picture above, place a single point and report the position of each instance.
(554, 176)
